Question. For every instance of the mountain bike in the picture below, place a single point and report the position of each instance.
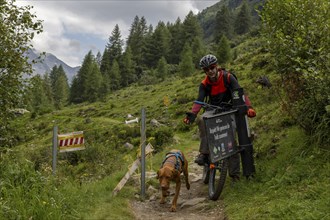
(220, 127)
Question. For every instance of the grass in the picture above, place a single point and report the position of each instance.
(292, 185)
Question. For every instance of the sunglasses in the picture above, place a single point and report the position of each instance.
(206, 69)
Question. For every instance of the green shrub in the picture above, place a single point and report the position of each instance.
(301, 51)
(163, 135)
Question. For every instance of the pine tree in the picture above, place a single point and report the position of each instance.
(243, 20)
(148, 48)
(36, 95)
(115, 45)
(105, 71)
(150, 31)
(80, 82)
(98, 59)
(191, 28)
(133, 35)
(224, 51)
(105, 86)
(53, 77)
(158, 45)
(59, 86)
(198, 50)
(115, 76)
(136, 41)
(47, 88)
(75, 95)
(186, 66)
(223, 23)
(93, 83)
(162, 71)
(61, 89)
(127, 68)
(105, 62)
(176, 42)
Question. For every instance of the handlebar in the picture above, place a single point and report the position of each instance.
(223, 105)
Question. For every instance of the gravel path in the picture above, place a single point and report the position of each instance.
(193, 204)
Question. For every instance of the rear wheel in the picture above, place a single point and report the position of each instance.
(217, 179)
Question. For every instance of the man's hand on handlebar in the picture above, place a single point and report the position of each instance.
(190, 118)
(251, 113)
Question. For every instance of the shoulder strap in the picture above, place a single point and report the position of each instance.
(207, 87)
(226, 78)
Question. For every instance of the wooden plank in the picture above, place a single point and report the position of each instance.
(123, 181)
(131, 170)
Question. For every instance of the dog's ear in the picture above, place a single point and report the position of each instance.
(157, 174)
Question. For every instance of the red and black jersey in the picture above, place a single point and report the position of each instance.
(217, 92)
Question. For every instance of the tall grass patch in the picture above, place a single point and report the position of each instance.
(294, 184)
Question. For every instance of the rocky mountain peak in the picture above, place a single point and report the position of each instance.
(47, 62)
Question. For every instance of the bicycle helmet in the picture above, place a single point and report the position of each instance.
(207, 61)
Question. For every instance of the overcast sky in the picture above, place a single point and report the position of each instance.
(72, 28)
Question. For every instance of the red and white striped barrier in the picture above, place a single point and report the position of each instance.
(71, 141)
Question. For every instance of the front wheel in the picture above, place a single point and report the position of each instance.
(217, 179)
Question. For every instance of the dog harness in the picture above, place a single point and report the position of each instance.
(178, 156)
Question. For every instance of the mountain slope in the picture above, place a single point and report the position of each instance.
(292, 179)
(47, 62)
(206, 17)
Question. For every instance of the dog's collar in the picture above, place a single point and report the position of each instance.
(178, 156)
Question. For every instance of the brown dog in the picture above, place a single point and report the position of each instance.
(173, 165)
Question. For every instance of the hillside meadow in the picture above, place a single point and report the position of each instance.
(292, 180)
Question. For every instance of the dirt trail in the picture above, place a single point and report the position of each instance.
(193, 204)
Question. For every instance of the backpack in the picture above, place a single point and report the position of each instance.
(226, 75)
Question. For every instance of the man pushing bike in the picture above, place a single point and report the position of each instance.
(216, 88)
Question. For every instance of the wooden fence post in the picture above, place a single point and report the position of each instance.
(54, 151)
(143, 153)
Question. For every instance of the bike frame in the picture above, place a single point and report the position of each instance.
(243, 134)
(221, 131)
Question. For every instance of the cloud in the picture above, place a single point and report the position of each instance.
(72, 28)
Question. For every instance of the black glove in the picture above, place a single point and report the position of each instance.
(190, 118)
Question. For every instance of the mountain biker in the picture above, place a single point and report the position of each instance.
(216, 87)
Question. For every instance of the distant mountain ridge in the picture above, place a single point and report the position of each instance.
(48, 62)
